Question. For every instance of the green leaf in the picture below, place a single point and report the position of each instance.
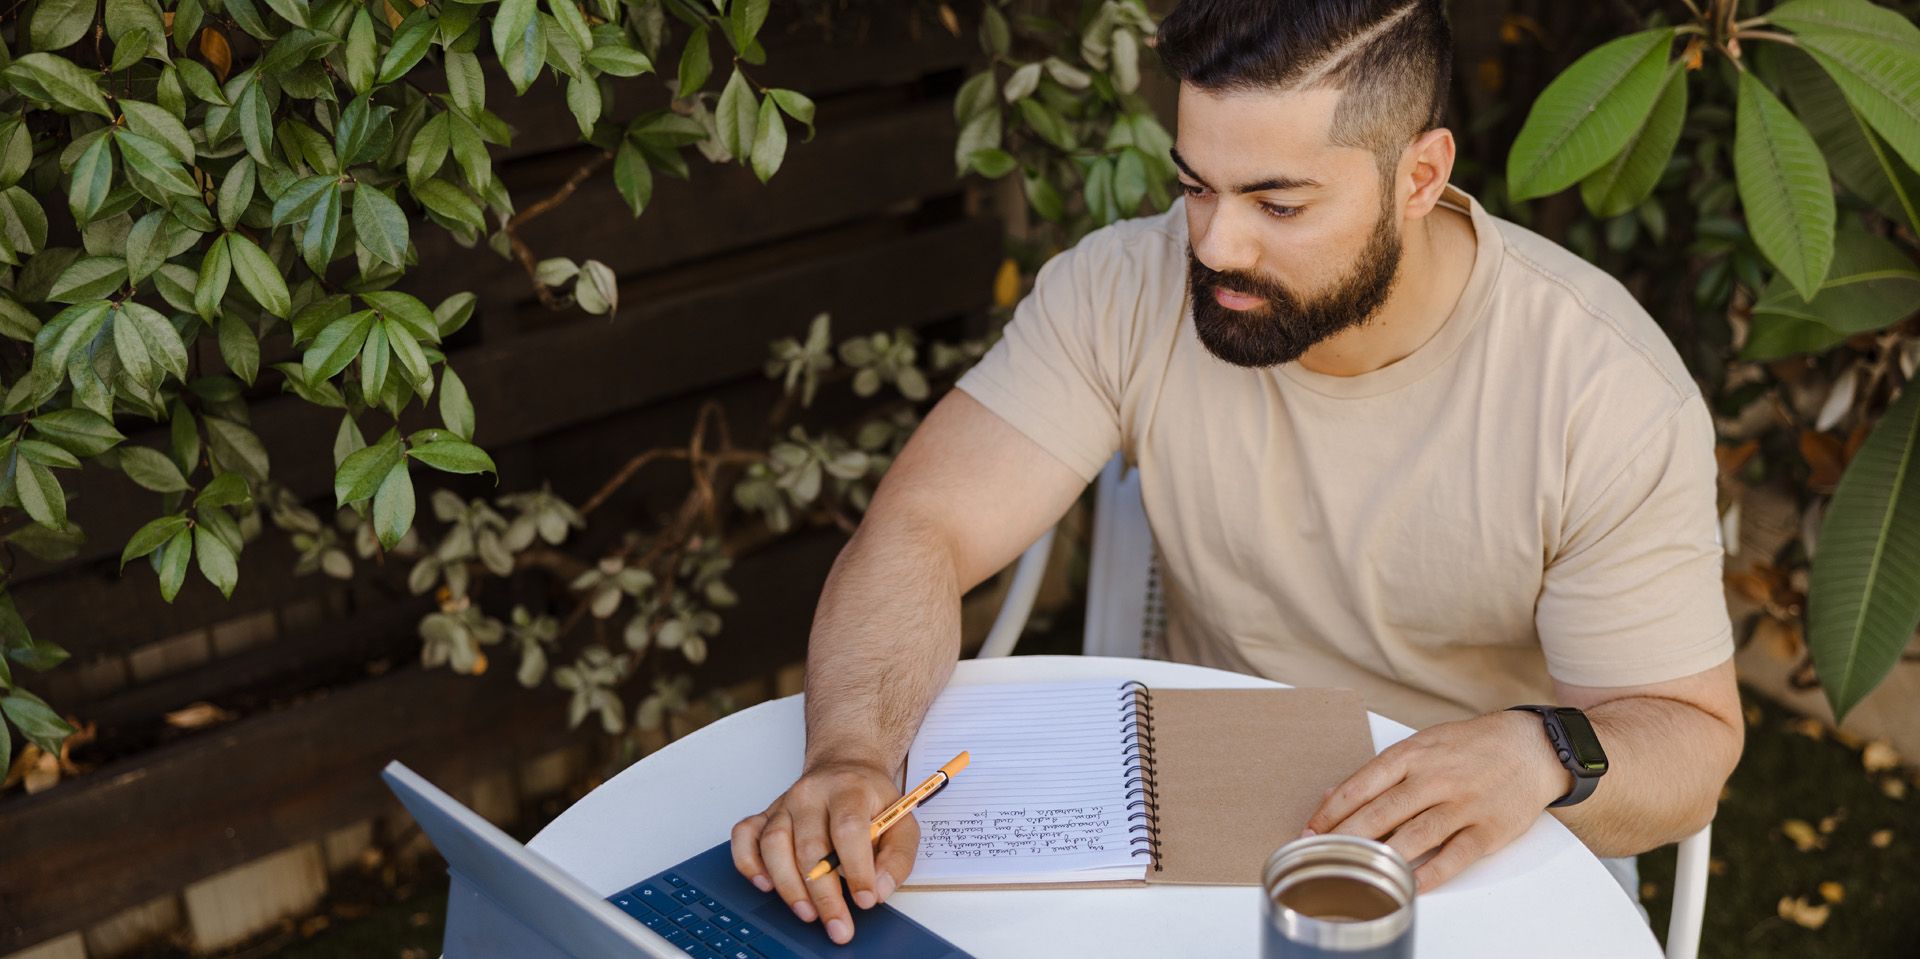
(1049, 125)
(410, 43)
(454, 456)
(322, 230)
(60, 23)
(449, 201)
(1629, 178)
(619, 61)
(152, 536)
(453, 313)
(405, 309)
(36, 720)
(217, 561)
(16, 150)
(45, 76)
(1129, 181)
(407, 350)
(148, 243)
(519, 42)
(456, 409)
(161, 341)
(1878, 78)
(1864, 599)
(15, 322)
(1784, 187)
(255, 116)
(89, 278)
(211, 287)
(258, 274)
(393, 504)
(152, 469)
(380, 224)
(373, 360)
(91, 180)
(428, 151)
(236, 191)
(976, 96)
(362, 472)
(632, 177)
(68, 331)
(347, 440)
(568, 16)
(980, 133)
(1587, 114)
(337, 344)
(469, 152)
(795, 105)
(583, 100)
(1860, 160)
(734, 115)
(1872, 285)
(40, 493)
(239, 347)
(1855, 19)
(156, 124)
(78, 431)
(769, 141)
(696, 62)
(172, 563)
(51, 546)
(236, 448)
(227, 489)
(47, 454)
(151, 161)
(995, 36)
(23, 225)
(360, 51)
(296, 202)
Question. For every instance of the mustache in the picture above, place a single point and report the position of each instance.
(1239, 281)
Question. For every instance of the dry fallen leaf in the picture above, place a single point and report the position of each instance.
(1799, 911)
(1879, 756)
(1881, 838)
(198, 715)
(1832, 891)
(1802, 834)
(213, 46)
(949, 19)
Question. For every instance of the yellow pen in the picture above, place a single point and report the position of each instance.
(894, 813)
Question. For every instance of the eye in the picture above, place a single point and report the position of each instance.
(1192, 189)
(1279, 212)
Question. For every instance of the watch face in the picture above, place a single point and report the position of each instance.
(1585, 745)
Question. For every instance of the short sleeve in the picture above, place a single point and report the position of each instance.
(1054, 375)
(1633, 595)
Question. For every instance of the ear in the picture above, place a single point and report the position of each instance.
(1424, 170)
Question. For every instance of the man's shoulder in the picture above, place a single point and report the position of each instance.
(1586, 316)
(1149, 245)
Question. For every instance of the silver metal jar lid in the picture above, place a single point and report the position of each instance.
(1343, 857)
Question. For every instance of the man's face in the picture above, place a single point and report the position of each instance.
(1289, 240)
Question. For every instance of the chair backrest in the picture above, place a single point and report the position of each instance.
(1126, 612)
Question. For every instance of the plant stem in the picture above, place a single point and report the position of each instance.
(1774, 35)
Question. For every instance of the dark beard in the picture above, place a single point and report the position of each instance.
(1287, 327)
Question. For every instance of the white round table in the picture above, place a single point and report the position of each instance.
(1544, 895)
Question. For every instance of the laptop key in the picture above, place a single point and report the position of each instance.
(722, 944)
(739, 952)
(673, 880)
(767, 947)
(651, 898)
(673, 935)
(700, 952)
(724, 919)
(702, 931)
(688, 894)
(686, 917)
(712, 904)
(744, 932)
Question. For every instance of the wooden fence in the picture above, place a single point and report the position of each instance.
(221, 830)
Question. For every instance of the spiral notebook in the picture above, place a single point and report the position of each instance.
(1104, 783)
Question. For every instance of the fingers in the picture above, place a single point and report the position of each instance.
(1380, 773)
(1425, 832)
(746, 851)
(893, 860)
(1466, 846)
(853, 840)
(811, 843)
(1384, 813)
(777, 854)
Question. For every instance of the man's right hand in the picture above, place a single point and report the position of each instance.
(828, 810)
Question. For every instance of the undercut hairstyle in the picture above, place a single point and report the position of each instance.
(1391, 59)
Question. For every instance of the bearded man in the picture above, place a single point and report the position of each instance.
(1386, 441)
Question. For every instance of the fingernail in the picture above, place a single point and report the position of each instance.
(885, 885)
(838, 932)
(804, 910)
(863, 899)
(763, 884)
(1304, 833)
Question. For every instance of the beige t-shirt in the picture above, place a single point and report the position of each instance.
(1530, 494)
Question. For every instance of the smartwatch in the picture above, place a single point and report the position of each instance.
(1571, 734)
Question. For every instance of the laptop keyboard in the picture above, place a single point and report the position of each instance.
(702, 926)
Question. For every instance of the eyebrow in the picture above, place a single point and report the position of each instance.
(1257, 186)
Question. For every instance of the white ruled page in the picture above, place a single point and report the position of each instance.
(1045, 797)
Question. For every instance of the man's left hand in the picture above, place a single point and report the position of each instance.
(1458, 790)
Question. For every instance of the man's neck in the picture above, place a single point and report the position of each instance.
(1436, 258)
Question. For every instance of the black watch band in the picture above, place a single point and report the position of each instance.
(1575, 745)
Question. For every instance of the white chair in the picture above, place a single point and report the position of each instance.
(1125, 617)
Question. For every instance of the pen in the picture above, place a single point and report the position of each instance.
(894, 813)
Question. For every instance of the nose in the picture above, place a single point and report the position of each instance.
(1223, 241)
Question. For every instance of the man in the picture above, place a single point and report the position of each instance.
(1386, 442)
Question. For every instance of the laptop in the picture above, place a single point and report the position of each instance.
(506, 900)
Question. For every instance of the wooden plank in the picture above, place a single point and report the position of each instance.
(149, 825)
(671, 336)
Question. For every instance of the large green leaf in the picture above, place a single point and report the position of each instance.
(1860, 160)
(60, 23)
(1864, 595)
(1857, 19)
(1586, 115)
(1784, 186)
(60, 81)
(1879, 78)
(380, 224)
(1629, 178)
(259, 275)
(393, 505)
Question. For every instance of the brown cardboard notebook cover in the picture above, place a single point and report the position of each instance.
(1237, 773)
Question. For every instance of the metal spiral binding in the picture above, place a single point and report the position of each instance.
(1137, 765)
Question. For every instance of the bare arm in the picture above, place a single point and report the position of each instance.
(967, 495)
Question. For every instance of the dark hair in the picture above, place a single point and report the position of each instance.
(1392, 59)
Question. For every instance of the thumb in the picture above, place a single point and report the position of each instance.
(893, 857)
